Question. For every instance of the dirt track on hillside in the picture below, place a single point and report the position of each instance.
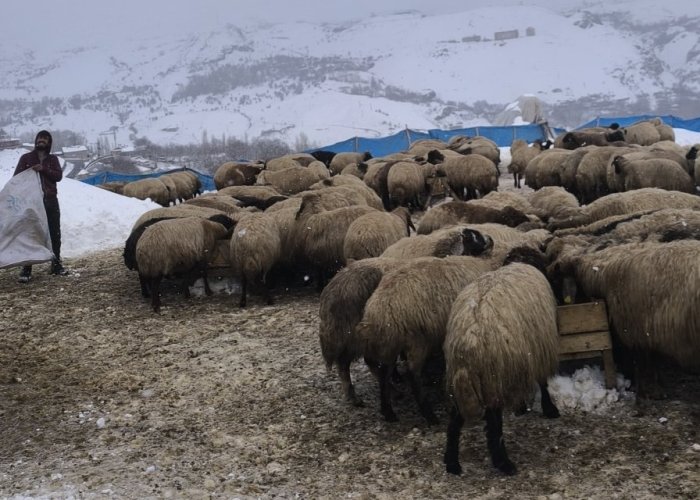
(207, 400)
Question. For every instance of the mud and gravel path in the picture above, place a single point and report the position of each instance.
(101, 398)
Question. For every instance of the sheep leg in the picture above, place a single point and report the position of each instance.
(244, 285)
(154, 285)
(494, 439)
(346, 381)
(451, 457)
(145, 293)
(426, 409)
(266, 290)
(383, 373)
(549, 409)
(205, 278)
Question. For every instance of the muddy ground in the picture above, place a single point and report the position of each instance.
(100, 397)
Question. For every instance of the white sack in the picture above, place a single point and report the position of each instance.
(24, 230)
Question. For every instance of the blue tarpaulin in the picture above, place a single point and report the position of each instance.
(206, 180)
(401, 141)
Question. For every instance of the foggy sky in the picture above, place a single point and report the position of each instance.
(66, 23)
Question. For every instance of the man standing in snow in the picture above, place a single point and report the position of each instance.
(41, 160)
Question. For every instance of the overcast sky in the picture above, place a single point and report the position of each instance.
(88, 22)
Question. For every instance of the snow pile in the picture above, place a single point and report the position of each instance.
(585, 391)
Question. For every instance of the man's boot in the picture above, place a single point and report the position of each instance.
(25, 274)
(57, 268)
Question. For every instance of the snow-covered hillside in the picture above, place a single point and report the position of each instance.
(369, 76)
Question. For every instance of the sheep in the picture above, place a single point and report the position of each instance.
(653, 173)
(176, 246)
(666, 132)
(424, 146)
(341, 306)
(351, 182)
(288, 161)
(545, 168)
(626, 203)
(476, 145)
(469, 176)
(577, 139)
(188, 184)
(357, 169)
(501, 339)
(407, 314)
(323, 156)
(342, 160)
(649, 311)
(113, 187)
(236, 174)
(292, 180)
(455, 212)
(254, 249)
(643, 133)
(152, 189)
(261, 197)
(405, 185)
(371, 234)
(321, 235)
(454, 240)
(591, 175)
(554, 202)
(521, 155)
(226, 204)
(179, 211)
(129, 252)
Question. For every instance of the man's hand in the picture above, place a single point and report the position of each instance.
(37, 167)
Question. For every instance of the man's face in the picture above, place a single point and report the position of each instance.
(42, 143)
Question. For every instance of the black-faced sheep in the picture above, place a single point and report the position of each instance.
(501, 340)
(649, 311)
(323, 156)
(342, 160)
(254, 249)
(454, 240)
(371, 234)
(236, 174)
(407, 315)
(176, 246)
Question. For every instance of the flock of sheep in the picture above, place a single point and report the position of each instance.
(478, 280)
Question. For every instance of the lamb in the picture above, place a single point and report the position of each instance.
(521, 155)
(626, 203)
(255, 248)
(652, 173)
(627, 277)
(501, 339)
(236, 174)
(371, 234)
(456, 212)
(407, 315)
(176, 246)
(152, 189)
(454, 240)
(292, 180)
(342, 160)
(469, 176)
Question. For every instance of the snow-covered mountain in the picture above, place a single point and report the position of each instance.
(368, 77)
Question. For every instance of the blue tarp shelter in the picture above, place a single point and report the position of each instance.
(206, 180)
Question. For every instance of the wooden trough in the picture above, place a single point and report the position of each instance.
(584, 333)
